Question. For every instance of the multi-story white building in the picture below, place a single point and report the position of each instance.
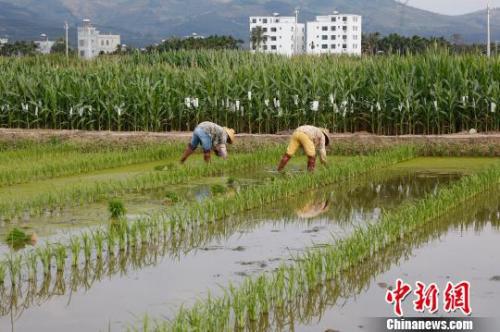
(335, 34)
(91, 42)
(44, 45)
(277, 34)
(3, 41)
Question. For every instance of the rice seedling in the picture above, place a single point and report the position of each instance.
(98, 237)
(217, 189)
(116, 209)
(75, 246)
(48, 160)
(17, 238)
(231, 181)
(171, 198)
(180, 223)
(98, 191)
(60, 257)
(87, 247)
(318, 266)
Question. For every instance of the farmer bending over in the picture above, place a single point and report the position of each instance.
(309, 138)
(211, 137)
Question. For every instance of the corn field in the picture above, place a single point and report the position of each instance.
(435, 93)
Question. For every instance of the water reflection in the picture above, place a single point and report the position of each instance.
(310, 308)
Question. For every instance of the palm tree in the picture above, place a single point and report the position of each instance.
(256, 37)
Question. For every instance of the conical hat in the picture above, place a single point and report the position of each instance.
(231, 134)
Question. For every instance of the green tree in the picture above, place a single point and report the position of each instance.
(257, 37)
(196, 43)
(18, 48)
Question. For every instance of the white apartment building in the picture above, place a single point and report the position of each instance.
(277, 34)
(3, 41)
(91, 42)
(44, 45)
(335, 34)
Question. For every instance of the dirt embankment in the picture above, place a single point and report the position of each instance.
(488, 143)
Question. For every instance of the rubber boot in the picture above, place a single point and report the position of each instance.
(189, 151)
(286, 158)
(311, 164)
(206, 156)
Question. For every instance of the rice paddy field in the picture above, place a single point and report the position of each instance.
(112, 233)
(122, 237)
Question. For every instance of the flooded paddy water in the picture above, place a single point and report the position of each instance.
(54, 225)
(462, 246)
(158, 279)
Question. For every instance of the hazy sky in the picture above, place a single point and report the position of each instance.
(452, 6)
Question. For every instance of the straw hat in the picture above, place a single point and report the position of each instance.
(312, 210)
(326, 132)
(231, 135)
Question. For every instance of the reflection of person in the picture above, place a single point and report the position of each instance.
(210, 136)
(313, 209)
(309, 138)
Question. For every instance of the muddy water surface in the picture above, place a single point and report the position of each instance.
(158, 280)
(463, 246)
(54, 226)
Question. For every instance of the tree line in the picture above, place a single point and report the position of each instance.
(376, 43)
(372, 43)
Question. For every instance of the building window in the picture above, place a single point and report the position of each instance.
(264, 29)
(273, 47)
(324, 46)
(264, 47)
(82, 53)
(333, 28)
(273, 29)
(277, 20)
(344, 28)
(324, 28)
(107, 42)
(273, 38)
(333, 37)
(344, 18)
(333, 46)
(344, 37)
(355, 46)
(334, 19)
(355, 18)
(254, 20)
(324, 37)
(264, 21)
(82, 42)
(355, 37)
(102, 42)
(344, 46)
(355, 28)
